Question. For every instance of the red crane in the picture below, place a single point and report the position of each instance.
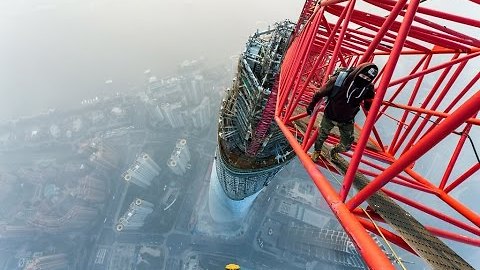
(416, 146)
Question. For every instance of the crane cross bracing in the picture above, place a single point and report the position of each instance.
(424, 115)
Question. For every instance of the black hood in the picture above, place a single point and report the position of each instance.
(368, 69)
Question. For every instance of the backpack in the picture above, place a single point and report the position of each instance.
(341, 73)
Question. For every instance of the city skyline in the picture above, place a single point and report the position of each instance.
(113, 164)
(175, 228)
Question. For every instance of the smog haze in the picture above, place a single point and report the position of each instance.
(56, 53)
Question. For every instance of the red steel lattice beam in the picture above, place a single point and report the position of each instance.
(423, 114)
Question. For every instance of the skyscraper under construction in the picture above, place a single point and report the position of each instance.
(251, 149)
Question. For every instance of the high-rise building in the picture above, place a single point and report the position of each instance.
(142, 171)
(195, 87)
(17, 231)
(167, 89)
(158, 113)
(50, 262)
(329, 247)
(251, 148)
(174, 114)
(135, 216)
(201, 114)
(180, 158)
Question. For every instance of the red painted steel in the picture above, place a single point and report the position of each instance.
(367, 247)
(433, 212)
(472, 106)
(427, 99)
(474, 121)
(455, 155)
(453, 236)
(379, 96)
(463, 177)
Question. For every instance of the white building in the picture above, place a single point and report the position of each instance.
(201, 114)
(51, 262)
(195, 87)
(179, 161)
(142, 171)
(158, 113)
(135, 216)
(174, 114)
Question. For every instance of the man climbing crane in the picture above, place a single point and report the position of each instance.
(345, 91)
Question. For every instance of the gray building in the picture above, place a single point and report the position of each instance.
(201, 114)
(17, 232)
(301, 213)
(135, 216)
(174, 114)
(142, 171)
(195, 87)
(50, 262)
(327, 246)
(179, 161)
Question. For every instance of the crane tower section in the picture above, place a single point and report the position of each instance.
(414, 160)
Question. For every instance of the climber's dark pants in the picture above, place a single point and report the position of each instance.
(346, 134)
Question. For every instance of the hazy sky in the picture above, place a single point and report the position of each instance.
(57, 52)
(54, 53)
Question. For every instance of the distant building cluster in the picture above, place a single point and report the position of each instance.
(91, 189)
(142, 171)
(50, 197)
(192, 263)
(182, 101)
(305, 194)
(74, 217)
(122, 257)
(135, 216)
(62, 127)
(326, 246)
(174, 114)
(103, 155)
(301, 213)
(50, 262)
(19, 232)
(298, 226)
(180, 158)
(202, 114)
(70, 162)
